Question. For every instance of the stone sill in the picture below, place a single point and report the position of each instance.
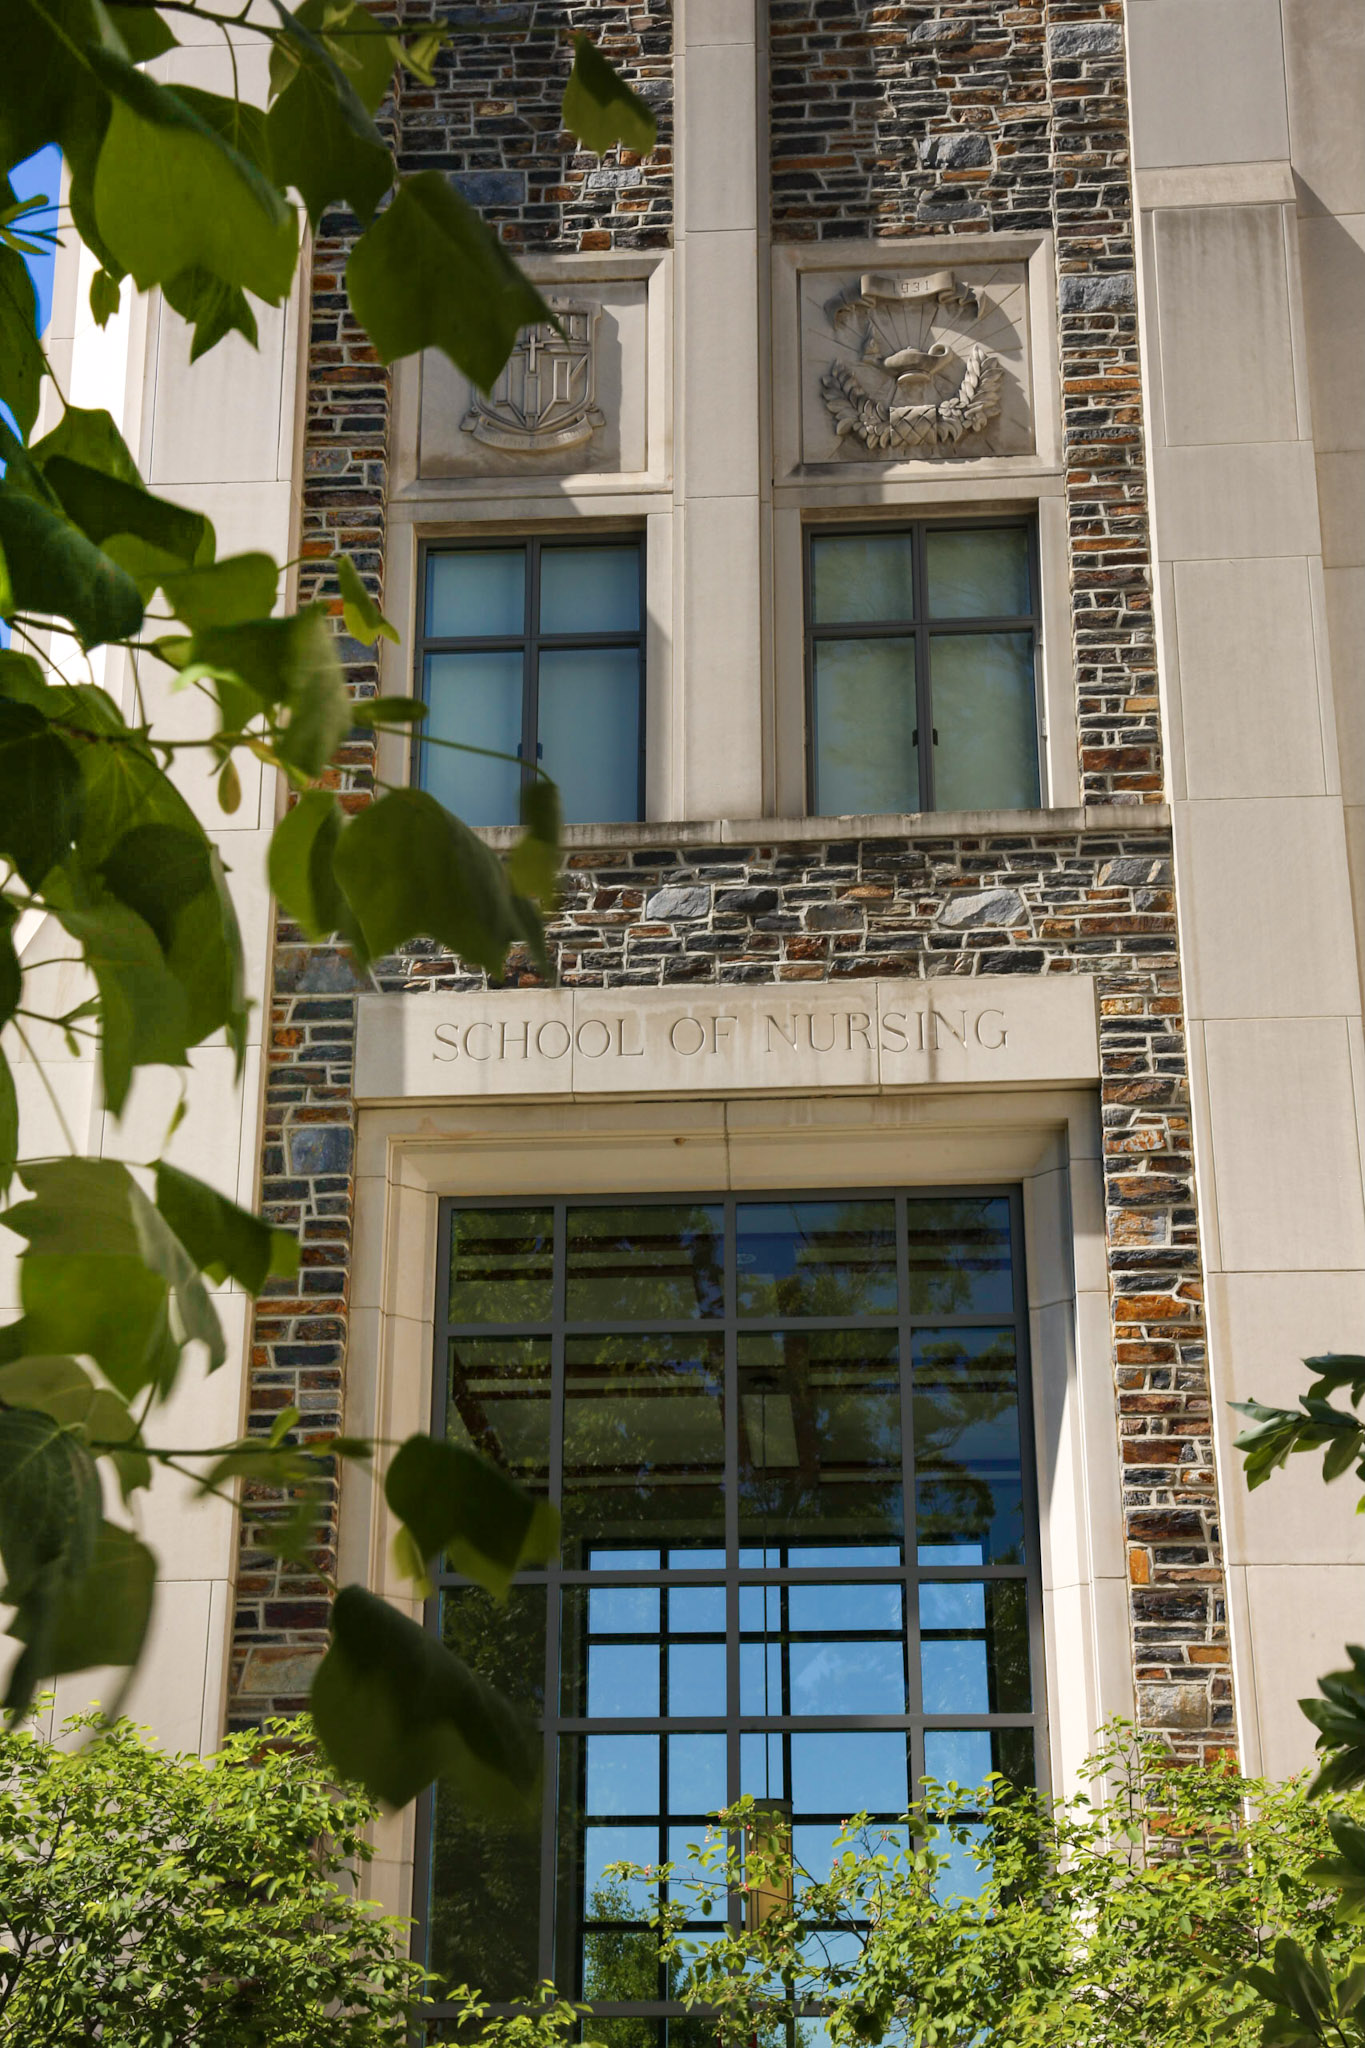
(641, 835)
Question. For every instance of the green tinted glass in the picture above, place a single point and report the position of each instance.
(498, 1403)
(644, 1263)
(501, 1265)
(982, 574)
(861, 578)
(644, 1440)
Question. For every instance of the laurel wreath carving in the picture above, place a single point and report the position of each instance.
(879, 425)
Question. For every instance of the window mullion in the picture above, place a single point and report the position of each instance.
(923, 706)
(530, 696)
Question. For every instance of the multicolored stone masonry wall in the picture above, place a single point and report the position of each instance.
(492, 121)
(1082, 903)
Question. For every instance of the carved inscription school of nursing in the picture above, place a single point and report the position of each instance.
(653, 1041)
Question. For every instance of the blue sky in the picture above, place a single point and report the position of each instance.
(41, 173)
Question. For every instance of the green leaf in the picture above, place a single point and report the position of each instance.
(144, 32)
(61, 1388)
(431, 274)
(395, 1709)
(320, 135)
(363, 618)
(348, 35)
(409, 870)
(47, 94)
(372, 711)
(156, 870)
(49, 1525)
(22, 367)
(40, 792)
(600, 108)
(103, 1616)
(87, 434)
(104, 297)
(288, 663)
(302, 850)
(226, 1242)
(533, 863)
(54, 570)
(226, 593)
(453, 1501)
(144, 1015)
(105, 1277)
(211, 308)
(145, 535)
(9, 1116)
(170, 195)
(1339, 1717)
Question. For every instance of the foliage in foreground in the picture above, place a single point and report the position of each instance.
(200, 195)
(1127, 1915)
(155, 1901)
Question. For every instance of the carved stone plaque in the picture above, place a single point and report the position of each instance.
(915, 363)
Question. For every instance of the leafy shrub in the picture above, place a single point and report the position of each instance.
(157, 1901)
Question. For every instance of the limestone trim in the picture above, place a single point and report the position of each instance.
(1103, 819)
(1047, 1141)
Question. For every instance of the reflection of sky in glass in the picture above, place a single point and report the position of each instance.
(696, 1610)
(623, 1610)
(959, 1756)
(816, 1258)
(696, 1773)
(861, 1771)
(623, 1774)
(623, 1681)
(696, 1678)
(605, 1846)
(961, 1876)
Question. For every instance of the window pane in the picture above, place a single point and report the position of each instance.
(819, 1435)
(967, 1756)
(644, 1441)
(866, 752)
(476, 593)
(644, 1263)
(500, 1265)
(987, 753)
(475, 700)
(499, 1403)
(816, 1258)
(620, 1645)
(967, 1472)
(861, 578)
(981, 575)
(843, 1774)
(974, 1647)
(485, 1875)
(588, 730)
(960, 1256)
(589, 590)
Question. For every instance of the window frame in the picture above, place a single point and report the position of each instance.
(530, 640)
(918, 630)
(732, 1576)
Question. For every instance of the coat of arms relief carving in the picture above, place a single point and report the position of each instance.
(909, 366)
(546, 395)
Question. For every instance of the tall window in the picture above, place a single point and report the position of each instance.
(534, 650)
(789, 1441)
(921, 653)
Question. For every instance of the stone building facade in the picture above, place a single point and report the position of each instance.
(1075, 272)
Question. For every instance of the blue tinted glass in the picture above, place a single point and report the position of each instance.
(696, 1560)
(760, 1608)
(843, 1607)
(861, 1771)
(954, 1604)
(696, 1773)
(866, 727)
(696, 1610)
(812, 1557)
(588, 728)
(623, 1610)
(760, 1679)
(969, 1487)
(958, 1756)
(589, 590)
(623, 1560)
(847, 1678)
(623, 1774)
(974, 1648)
(762, 1772)
(623, 1681)
(688, 1868)
(476, 594)
(696, 1678)
(615, 1897)
(475, 700)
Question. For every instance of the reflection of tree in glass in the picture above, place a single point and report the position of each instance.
(620, 1964)
(820, 1441)
(499, 1403)
(960, 1255)
(817, 1258)
(647, 1261)
(501, 1262)
(486, 1875)
(644, 1438)
(966, 1411)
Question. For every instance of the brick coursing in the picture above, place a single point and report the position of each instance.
(902, 120)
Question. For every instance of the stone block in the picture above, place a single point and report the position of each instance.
(320, 1148)
(671, 904)
(963, 150)
(984, 908)
(1098, 291)
(1086, 39)
(491, 188)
